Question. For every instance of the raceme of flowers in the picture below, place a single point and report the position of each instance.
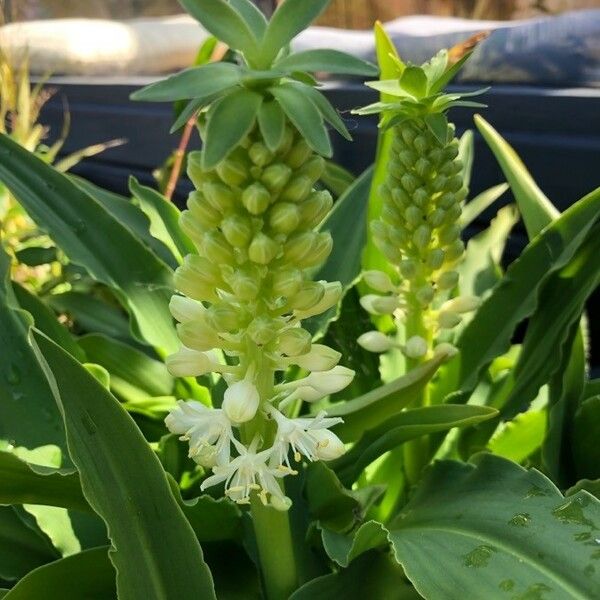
(245, 295)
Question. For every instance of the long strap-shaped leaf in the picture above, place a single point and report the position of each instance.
(93, 238)
(155, 551)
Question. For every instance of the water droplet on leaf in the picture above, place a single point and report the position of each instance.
(479, 557)
(520, 520)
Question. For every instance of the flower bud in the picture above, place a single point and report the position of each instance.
(436, 217)
(185, 309)
(237, 230)
(435, 259)
(220, 196)
(451, 151)
(315, 208)
(400, 198)
(453, 213)
(197, 277)
(287, 282)
(256, 198)
(332, 295)
(462, 304)
(399, 236)
(439, 183)
(392, 253)
(447, 280)
(319, 251)
(192, 227)
(320, 358)
(447, 200)
(375, 341)
(240, 401)
(244, 285)
(206, 215)
(379, 305)
(287, 141)
(449, 234)
(263, 329)
(409, 182)
(232, 172)
(263, 249)
(329, 445)
(454, 183)
(408, 134)
(298, 246)
(222, 317)
(216, 248)
(197, 335)
(455, 251)
(299, 154)
(294, 342)
(311, 292)
(420, 197)
(445, 349)
(422, 237)
(194, 168)
(331, 381)
(422, 167)
(297, 189)
(407, 158)
(448, 320)
(390, 214)
(259, 154)
(415, 347)
(424, 295)
(379, 281)
(413, 216)
(408, 268)
(284, 217)
(275, 177)
(189, 363)
(421, 144)
(280, 503)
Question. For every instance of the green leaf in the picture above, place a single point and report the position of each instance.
(36, 255)
(517, 295)
(586, 425)
(189, 111)
(290, 18)
(164, 219)
(343, 548)
(45, 320)
(377, 406)
(372, 575)
(473, 208)
(228, 122)
(25, 483)
(406, 425)
(305, 116)
(536, 209)
(337, 179)
(196, 82)
(252, 15)
(438, 125)
(327, 61)
(224, 22)
(271, 121)
(82, 227)
(414, 81)
(521, 437)
(28, 415)
(448, 75)
(496, 528)
(88, 574)
(24, 546)
(155, 551)
(126, 363)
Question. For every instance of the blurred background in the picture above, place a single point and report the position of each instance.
(349, 14)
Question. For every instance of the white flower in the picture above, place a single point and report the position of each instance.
(241, 401)
(307, 437)
(208, 431)
(375, 341)
(249, 472)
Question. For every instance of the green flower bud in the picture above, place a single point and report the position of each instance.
(237, 230)
(197, 335)
(287, 282)
(413, 216)
(389, 213)
(319, 251)
(420, 197)
(449, 234)
(194, 168)
(315, 208)
(461, 194)
(455, 251)
(454, 183)
(332, 295)
(287, 141)
(294, 342)
(379, 281)
(435, 259)
(399, 236)
(447, 200)
(375, 341)
(452, 168)
(256, 198)
(392, 253)
(422, 167)
(223, 317)
(219, 196)
(409, 182)
(276, 176)
(424, 294)
(439, 183)
(407, 158)
(408, 268)
(462, 304)
(436, 155)
(313, 168)
(263, 249)
(244, 286)
(408, 134)
(310, 293)
(415, 347)
(202, 211)
(191, 227)
(436, 217)
(379, 305)
(263, 329)
(232, 172)
(284, 217)
(453, 213)
(298, 189)
(298, 246)
(259, 154)
(447, 280)
(451, 151)
(216, 248)
(422, 237)
(400, 198)
(197, 277)
(299, 154)
(448, 319)
(421, 144)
